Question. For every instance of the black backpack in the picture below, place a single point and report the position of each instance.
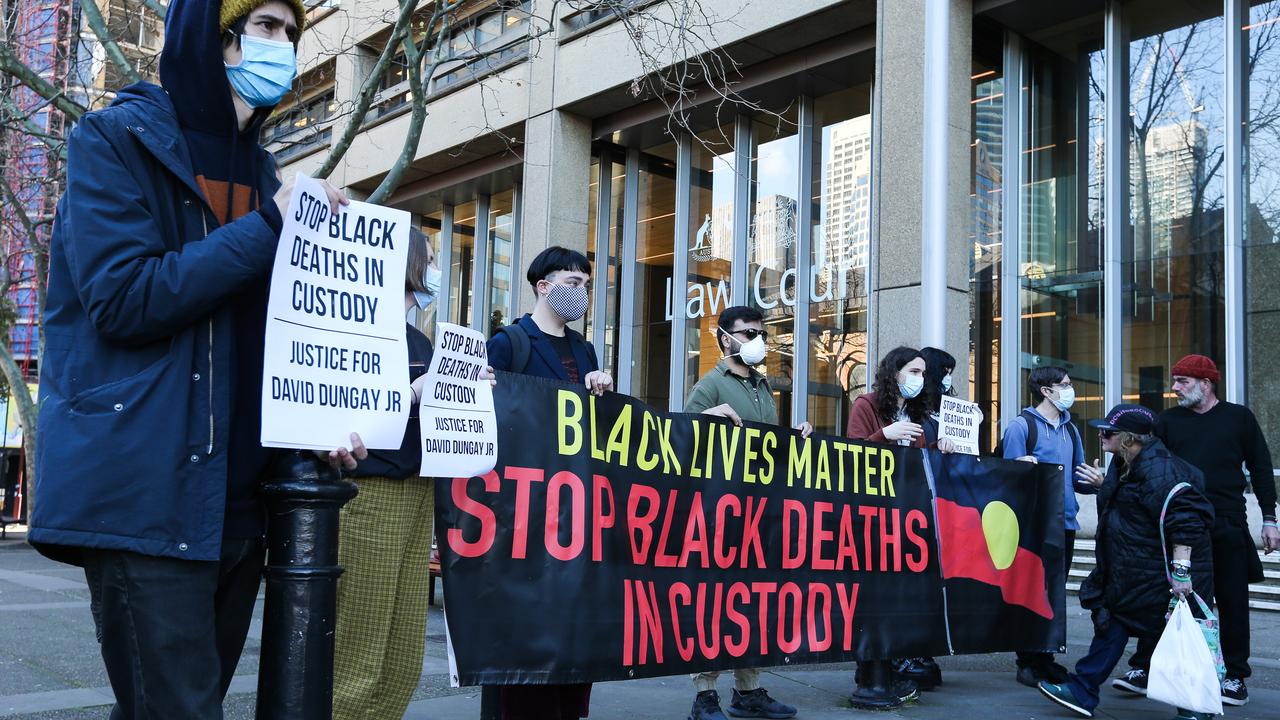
(1033, 433)
(520, 346)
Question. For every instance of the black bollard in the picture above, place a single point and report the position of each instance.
(295, 673)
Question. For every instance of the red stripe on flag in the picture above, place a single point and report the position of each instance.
(964, 554)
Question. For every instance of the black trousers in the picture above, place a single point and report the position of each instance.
(172, 630)
(1233, 554)
(1044, 658)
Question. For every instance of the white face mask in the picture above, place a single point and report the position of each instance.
(911, 387)
(1066, 398)
(431, 279)
(753, 352)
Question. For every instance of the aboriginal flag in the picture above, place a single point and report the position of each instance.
(1001, 541)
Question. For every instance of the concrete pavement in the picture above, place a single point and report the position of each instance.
(50, 669)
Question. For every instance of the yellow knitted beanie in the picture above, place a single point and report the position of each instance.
(233, 10)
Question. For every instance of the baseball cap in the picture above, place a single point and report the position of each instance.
(1127, 417)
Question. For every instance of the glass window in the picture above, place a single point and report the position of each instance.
(463, 260)
(650, 361)
(841, 236)
(604, 256)
(431, 226)
(709, 240)
(1262, 219)
(771, 245)
(986, 192)
(1173, 299)
(501, 237)
(1060, 269)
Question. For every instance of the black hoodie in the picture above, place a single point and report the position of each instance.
(225, 161)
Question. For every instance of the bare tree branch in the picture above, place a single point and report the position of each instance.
(11, 65)
(99, 26)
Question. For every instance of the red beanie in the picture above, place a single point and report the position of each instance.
(1196, 366)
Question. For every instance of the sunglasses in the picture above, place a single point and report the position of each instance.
(752, 333)
(1106, 434)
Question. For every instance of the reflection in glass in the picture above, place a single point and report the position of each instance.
(1060, 272)
(604, 260)
(462, 261)
(986, 192)
(1262, 217)
(650, 363)
(501, 227)
(771, 245)
(841, 234)
(709, 242)
(1173, 299)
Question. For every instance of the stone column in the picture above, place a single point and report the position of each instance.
(899, 176)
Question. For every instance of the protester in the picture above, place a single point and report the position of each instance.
(1043, 432)
(894, 412)
(1220, 438)
(1128, 590)
(151, 380)
(384, 546)
(734, 389)
(542, 344)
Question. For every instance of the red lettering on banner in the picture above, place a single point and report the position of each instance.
(685, 650)
(650, 623)
(848, 548)
(890, 541)
(816, 590)
(695, 534)
(628, 624)
(577, 531)
(520, 529)
(641, 525)
(763, 591)
(601, 489)
(789, 635)
(790, 560)
(662, 558)
(868, 514)
(481, 512)
(820, 536)
(751, 533)
(710, 648)
(916, 520)
(848, 603)
(725, 505)
(738, 648)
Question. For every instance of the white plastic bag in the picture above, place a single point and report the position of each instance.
(1182, 670)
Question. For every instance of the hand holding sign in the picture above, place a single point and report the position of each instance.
(958, 422)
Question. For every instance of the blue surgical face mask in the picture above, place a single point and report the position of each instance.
(265, 73)
(1066, 398)
(946, 383)
(911, 387)
(431, 281)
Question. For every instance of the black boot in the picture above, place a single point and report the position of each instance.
(878, 689)
(923, 671)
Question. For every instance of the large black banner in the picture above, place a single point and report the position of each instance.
(616, 541)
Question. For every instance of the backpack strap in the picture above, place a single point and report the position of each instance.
(520, 346)
(1033, 430)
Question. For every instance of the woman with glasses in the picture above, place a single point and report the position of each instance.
(1043, 432)
(1151, 507)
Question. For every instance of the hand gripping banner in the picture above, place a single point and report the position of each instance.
(615, 541)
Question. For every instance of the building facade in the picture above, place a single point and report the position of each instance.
(895, 172)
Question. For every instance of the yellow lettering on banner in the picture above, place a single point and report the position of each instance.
(671, 463)
(886, 472)
(840, 448)
(770, 444)
(570, 417)
(869, 470)
(856, 452)
(711, 444)
(643, 460)
(798, 463)
(596, 452)
(748, 462)
(824, 467)
(620, 437)
(729, 448)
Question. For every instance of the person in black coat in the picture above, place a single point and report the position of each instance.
(1128, 591)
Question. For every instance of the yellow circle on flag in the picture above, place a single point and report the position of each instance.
(1000, 526)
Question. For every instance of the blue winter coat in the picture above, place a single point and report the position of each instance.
(544, 361)
(135, 380)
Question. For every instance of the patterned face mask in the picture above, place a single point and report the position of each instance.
(569, 302)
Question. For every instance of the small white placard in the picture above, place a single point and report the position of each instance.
(459, 428)
(337, 360)
(958, 421)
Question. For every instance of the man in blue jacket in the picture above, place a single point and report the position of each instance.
(1043, 432)
(151, 379)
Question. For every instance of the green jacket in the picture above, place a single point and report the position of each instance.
(750, 397)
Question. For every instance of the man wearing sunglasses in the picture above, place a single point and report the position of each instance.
(734, 389)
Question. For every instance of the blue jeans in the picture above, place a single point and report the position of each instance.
(1095, 667)
(172, 630)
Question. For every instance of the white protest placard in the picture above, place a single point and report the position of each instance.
(459, 428)
(958, 421)
(337, 360)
